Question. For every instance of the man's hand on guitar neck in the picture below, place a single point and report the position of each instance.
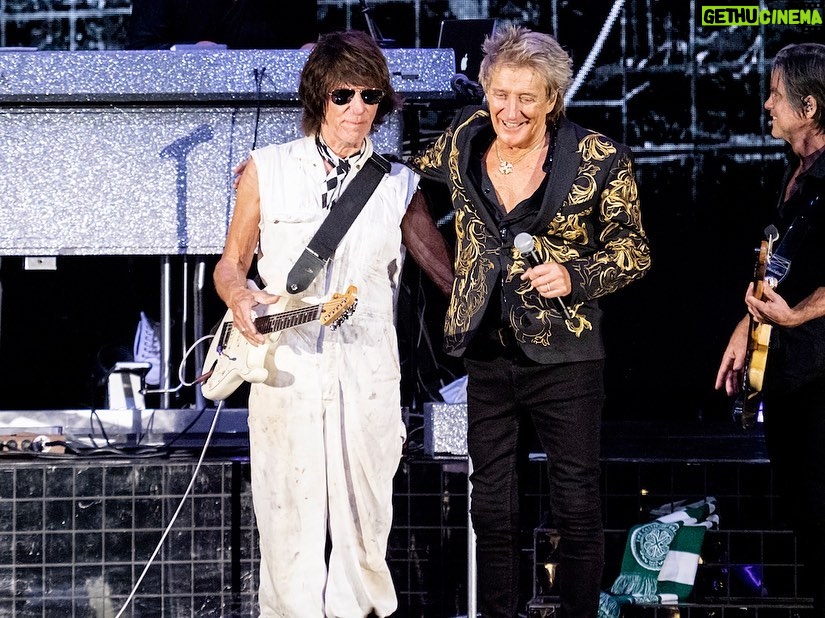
(242, 302)
(771, 308)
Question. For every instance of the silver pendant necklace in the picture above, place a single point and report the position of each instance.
(506, 167)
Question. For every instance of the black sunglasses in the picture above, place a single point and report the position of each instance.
(370, 96)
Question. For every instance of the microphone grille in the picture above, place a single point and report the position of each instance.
(524, 242)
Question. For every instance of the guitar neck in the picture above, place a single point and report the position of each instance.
(287, 319)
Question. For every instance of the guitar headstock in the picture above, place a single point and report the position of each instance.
(339, 308)
(772, 235)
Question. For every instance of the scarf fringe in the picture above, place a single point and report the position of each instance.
(635, 584)
(609, 607)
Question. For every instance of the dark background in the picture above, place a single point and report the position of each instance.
(687, 99)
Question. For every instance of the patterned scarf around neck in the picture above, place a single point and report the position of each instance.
(335, 177)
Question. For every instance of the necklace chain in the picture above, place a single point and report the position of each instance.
(506, 167)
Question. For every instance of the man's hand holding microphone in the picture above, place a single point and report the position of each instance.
(549, 279)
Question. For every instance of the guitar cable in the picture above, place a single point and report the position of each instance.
(182, 370)
(176, 513)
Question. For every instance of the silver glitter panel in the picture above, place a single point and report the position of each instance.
(445, 429)
(112, 176)
(111, 181)
(234, 75)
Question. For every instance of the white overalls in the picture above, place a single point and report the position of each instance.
(326, 429)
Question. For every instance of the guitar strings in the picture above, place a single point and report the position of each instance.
(268, 323)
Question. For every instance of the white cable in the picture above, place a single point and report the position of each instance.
(177, 512)
(182, 366)
(597, 48)
(181, 370)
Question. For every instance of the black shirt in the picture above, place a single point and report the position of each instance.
(510, 224)
(797, 355)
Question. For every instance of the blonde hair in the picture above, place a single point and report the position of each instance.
(516, 46)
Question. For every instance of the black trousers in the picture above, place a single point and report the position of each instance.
(565, 405)
(795, 437)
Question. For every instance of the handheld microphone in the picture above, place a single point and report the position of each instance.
(527, 247)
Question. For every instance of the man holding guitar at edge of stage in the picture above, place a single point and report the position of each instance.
(793, 389)
(325, 426)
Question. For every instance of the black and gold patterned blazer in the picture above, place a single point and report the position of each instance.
(589, 220)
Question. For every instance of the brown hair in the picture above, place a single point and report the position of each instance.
(802, 69)
(345, 57)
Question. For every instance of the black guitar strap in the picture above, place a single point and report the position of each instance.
(338, 221)
(808, 216)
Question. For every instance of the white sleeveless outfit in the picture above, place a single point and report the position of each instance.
(326, 429)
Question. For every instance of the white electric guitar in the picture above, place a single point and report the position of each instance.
(232, 360)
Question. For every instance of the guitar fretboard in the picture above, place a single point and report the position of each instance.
(287, 319)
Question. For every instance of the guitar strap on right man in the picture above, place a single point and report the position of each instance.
(332, 230)
(808, 217)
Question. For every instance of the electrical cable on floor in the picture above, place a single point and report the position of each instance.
(175, 515)
(113, 449)
(73, 450)
(93, 415)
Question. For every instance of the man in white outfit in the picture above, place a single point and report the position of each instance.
(325, 427)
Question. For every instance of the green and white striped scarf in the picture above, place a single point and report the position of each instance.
(661, 557)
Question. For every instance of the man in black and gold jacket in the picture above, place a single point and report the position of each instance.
(527, 320)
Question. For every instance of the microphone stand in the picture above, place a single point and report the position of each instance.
(375, 33)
